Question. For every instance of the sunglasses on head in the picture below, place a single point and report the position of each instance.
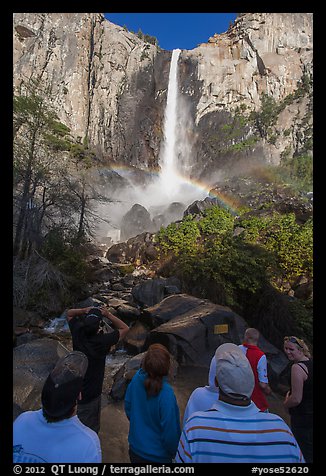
(293, 340)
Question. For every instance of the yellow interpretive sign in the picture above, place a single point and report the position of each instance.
(221, 329)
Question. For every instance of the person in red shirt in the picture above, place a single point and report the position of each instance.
(258, 362)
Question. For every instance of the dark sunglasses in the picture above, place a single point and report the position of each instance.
(293, 340)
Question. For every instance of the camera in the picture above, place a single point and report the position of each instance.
(106, 325)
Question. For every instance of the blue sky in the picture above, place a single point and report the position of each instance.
(175, 30)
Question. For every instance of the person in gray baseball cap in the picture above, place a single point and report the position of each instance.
(234, 375)
(54, 434)
(234, 430)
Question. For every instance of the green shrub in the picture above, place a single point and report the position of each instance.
(67, 254)
(300, 171)
(180, 237)
(303, 318)
(212, 263)
(289, 243)
(216, 221)
(126, 269)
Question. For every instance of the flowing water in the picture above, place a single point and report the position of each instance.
(168, 177)
(176, 152)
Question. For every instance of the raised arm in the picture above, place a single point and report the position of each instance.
(117, 323)
(77, 312)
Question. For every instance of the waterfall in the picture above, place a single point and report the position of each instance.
(168, 177)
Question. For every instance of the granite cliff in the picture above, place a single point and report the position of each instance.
(109, 86)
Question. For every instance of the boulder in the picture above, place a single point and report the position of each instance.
(23, 318)
(23, 337)
(138, 250)
(277, 362)
(198, 206)
(149, 292)
(135, 221)
(128, 370)
(32, 363)
(90, 301)
(127, 312)
(192, 329)
(135, 339)
(171, 214)
(190, 325)
(152, 291)
(123, 377)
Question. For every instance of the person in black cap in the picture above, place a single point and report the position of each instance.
(54, 434)
(92, 335)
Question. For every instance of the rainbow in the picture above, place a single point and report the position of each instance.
(230, 203)
(225, 200)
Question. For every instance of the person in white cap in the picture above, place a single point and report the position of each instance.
(54, 434)
(234, 430)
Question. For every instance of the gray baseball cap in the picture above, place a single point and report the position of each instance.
(63, 385)
(233, 372)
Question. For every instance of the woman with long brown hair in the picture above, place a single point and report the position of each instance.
(152, 410)
(299, 399)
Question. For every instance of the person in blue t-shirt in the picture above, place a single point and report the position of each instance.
(202, 398)
(152, 410)
(54, 434)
